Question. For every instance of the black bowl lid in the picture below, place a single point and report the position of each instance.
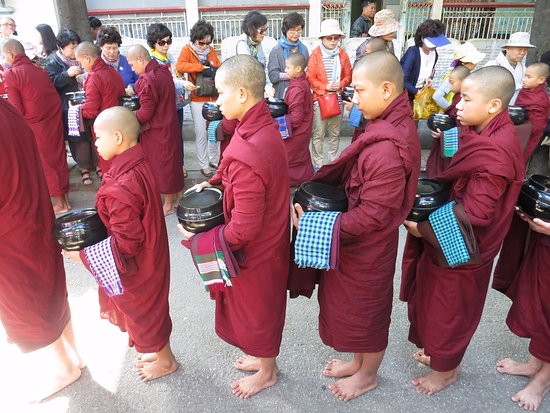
(75, 217)
(324, 191)
(204, 199)
(428, 187)
(542, 182)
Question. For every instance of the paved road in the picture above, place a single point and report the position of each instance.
(201, 384)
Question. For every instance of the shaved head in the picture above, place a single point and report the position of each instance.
(541, 69)
(138, 51)
(119, 119)
(244, 71)
(297, 59)
(375, 44)
(87, 49)
(381, 66)
(13, 46)
(461, 72)
(493, 82)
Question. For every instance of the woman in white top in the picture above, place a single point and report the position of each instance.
(253, 27)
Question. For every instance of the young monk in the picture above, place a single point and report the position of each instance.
(529, 316)
(31, 92)
(136, 252)
(160, 132)
(33, 299)
(445, 304)
(103, 87)
(253, 171)
(379, 172)
(300, 109)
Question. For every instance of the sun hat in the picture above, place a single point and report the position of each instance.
(330, 27)
(468, 53)
(384, 23)
(436, 41)
(519, 39)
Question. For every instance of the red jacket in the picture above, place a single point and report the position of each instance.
(317, 75)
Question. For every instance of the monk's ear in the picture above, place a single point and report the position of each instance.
(495, 105)
(387, 89)
(243, 95)
(119, 137)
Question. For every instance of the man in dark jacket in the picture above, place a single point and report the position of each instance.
(364, 22)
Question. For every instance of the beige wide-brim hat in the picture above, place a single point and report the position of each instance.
(384, 23)
(330, 27)
(519, 39)
(468, 53)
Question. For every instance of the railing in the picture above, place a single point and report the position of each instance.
(332, 10)
(135, 25)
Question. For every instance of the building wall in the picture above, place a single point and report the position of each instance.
(28, 14)
(137, 4)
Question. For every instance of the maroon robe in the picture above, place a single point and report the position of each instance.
(537, 104)
(445, 304)
(31, 91)
(103, 87)
(300, 109)
(379, 172)
(251, 314)
(129, 206)
(33, 295)
(529, 315)
(160, 132)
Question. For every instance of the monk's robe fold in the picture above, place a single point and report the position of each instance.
(254, 175)
(33, 295)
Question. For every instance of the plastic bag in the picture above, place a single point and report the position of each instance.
(423, 104)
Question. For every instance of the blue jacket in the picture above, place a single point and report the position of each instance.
(410, 62)
(126, 72)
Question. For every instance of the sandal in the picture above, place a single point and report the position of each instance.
(85, 177)
(99, 173)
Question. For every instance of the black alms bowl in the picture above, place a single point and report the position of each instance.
(534, 197)
(76, 98)
(201, 211)
(441, 121)
(347, 93)
(277, 107)
(430, 195)
(318, 196)
(517, 114)
(211, 111)
(130, 102)
(79, 229)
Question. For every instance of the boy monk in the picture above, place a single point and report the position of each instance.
(103, 87)
(379, 172)
(445, 304)
(160, 133)
(136, 252)
(300, 110)
(37, 100)
(33, 299)
(529, 316)
(253, 171)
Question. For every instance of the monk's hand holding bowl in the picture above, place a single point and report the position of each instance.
(297, 212)
(200, 187)
(73, 255)
(187, 235)
(412, 227)
(437, 134)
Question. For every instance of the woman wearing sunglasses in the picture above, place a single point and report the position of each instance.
(199, 60)
(253, 27)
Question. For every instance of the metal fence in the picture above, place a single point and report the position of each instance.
(332, 10)
(135, 25)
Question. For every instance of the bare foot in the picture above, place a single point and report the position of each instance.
(354, 386)
(145, 358)
(151, 370)
(341, 368)
(168, 209)
(247, 363)
(60, 209)
(421, 357)
(515, 368)
(250, 385)
(48, 386)
(530, 397)
(435, 381)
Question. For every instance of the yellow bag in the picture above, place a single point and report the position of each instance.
(423, 104)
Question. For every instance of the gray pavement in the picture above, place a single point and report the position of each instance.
(201, 384)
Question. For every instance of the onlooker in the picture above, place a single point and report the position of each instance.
(364, 22)
(292, 27)
(95, 25)
(253, 27)
(385, 27)
(45, 45)
(7, 28)
(511, 58)
(109, 41)
(328, 72)
(199, 58)
(419, 60)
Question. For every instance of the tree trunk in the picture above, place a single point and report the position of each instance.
(540, 30)
(73, 14)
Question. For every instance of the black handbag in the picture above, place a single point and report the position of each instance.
(205, 85)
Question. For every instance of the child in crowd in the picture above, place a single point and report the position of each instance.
(300, 110)
(131, 266)
(328, 72)
(445, 304)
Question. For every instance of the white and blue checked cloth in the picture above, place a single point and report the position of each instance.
(450, 142)
(211, 131)
(314, 239)
(102, 262)
(74, 120)
(447, 231)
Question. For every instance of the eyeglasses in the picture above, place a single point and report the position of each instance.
(164, 42)
(332, 38)
(262, 30)
(295, 30)
(204, 43)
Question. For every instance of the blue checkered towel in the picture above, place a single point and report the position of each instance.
(447, 231)
(314, 239)
(211, 132)
(284, 126)
(450, 142)
(103, 266)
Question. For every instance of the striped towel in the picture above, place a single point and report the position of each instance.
(211, 131)
(450, 142)
(102, 263)
(314, 239)
(449, 236)
(74, 119)
(284, 126)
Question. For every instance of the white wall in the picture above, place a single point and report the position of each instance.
(28, 14)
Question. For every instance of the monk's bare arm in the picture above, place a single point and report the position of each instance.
(481, 198)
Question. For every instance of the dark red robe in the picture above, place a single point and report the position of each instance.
(445, 304)
(31, 91)
(33, 294)
(379, 172)
(103, 87)
(160, 133)
(300, 109)
(529, 315)
(129, 206)
(251, 314)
